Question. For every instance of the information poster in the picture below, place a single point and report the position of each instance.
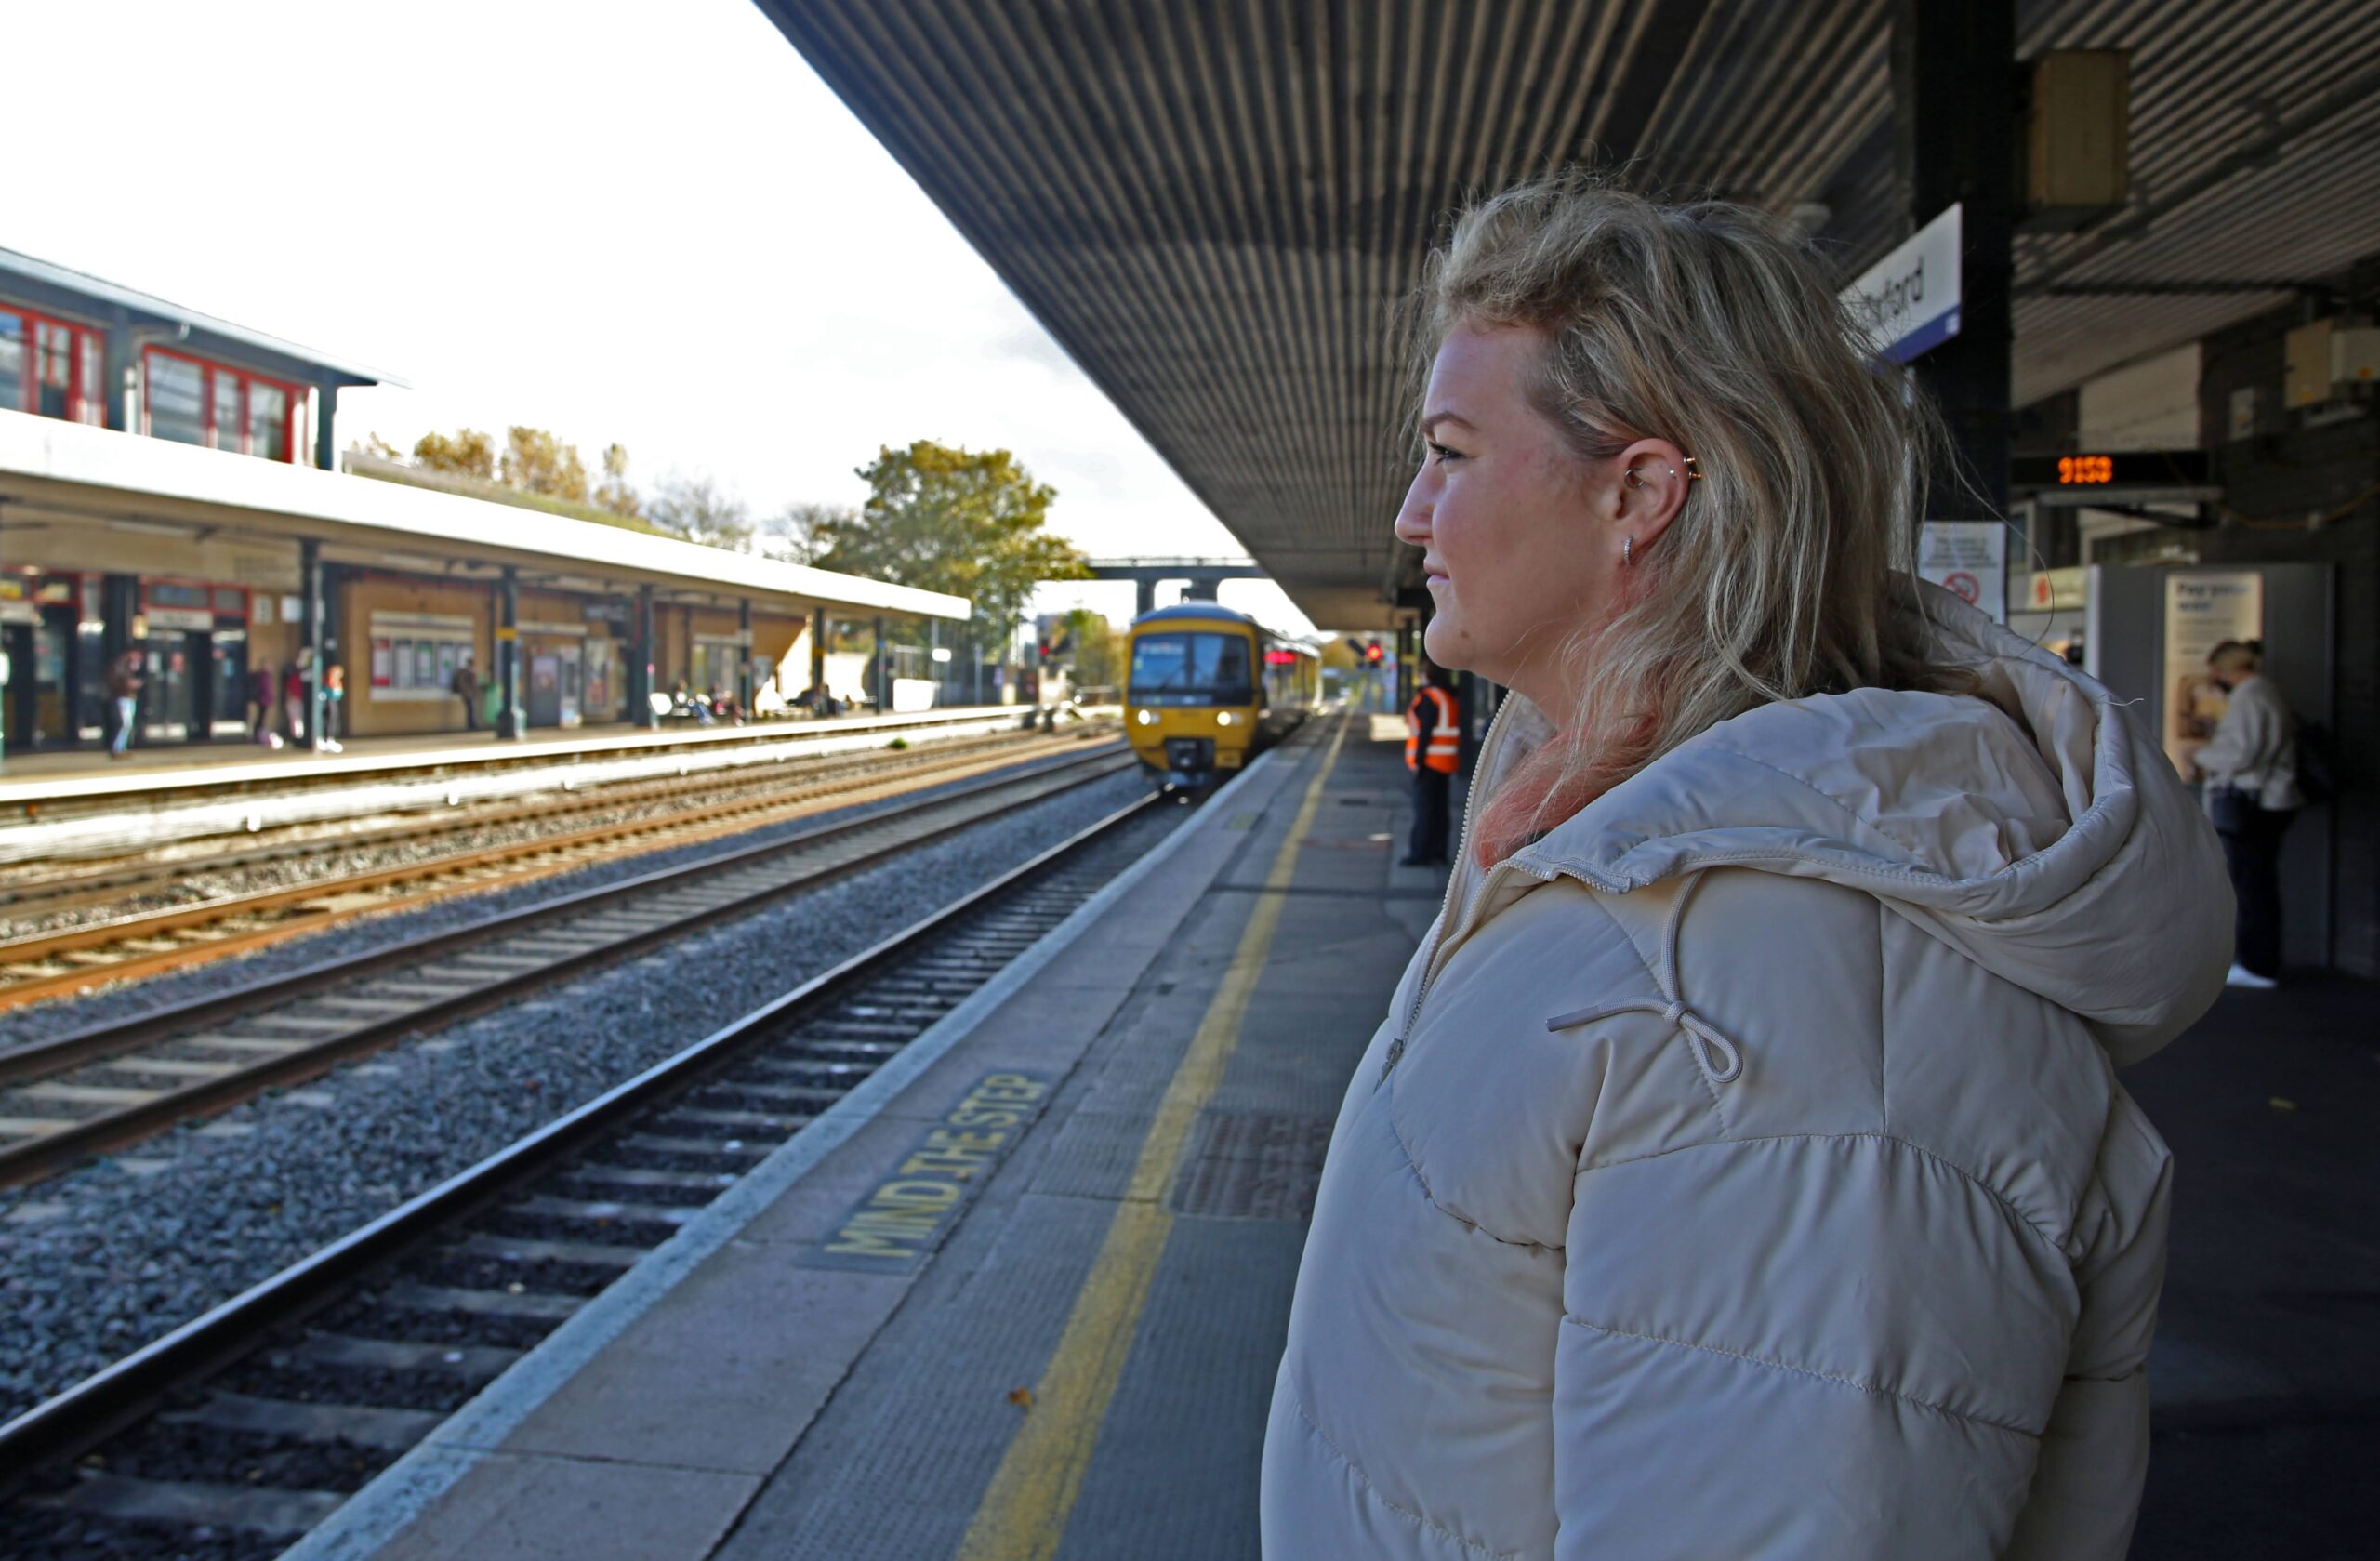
(1969, 559)
(2202, 609)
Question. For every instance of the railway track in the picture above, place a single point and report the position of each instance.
(72, 960)
(61, 884)
(322, 1375)
(100, 1088)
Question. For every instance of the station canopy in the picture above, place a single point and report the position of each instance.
(61, 483)
(1215, 208)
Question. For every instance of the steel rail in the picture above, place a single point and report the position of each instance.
(23, 895)
(64, 1427)
(302, 916)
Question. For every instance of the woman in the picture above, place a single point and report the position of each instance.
(2250, 767)
(1741, 1171)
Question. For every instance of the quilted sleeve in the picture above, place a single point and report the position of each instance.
(1830, 1347)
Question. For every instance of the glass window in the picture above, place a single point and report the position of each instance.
(267, 421)
(53, 375)
(176, 400)
(12, 361)
(227, 410)
(1190, 668)
(166, 594)
(95, 379)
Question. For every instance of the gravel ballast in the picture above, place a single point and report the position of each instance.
(100, 1260)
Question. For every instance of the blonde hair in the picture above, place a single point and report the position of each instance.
(1788, 570)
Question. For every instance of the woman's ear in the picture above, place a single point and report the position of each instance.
(1655, 476)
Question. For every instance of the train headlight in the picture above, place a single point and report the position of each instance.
(1146, 717)
(1223, 717)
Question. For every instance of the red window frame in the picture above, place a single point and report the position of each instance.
(85, 404)
(290, 396)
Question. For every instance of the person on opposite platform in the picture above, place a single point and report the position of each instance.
(1432, 752)
(333, 706)
(466, 685)
(2250, 767)
(1742, 1167)
(293, 696)
(124, 682)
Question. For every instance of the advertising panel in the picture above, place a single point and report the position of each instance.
(2202, 609)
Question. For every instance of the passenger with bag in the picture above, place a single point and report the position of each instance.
(2250, 770)
(466, 685)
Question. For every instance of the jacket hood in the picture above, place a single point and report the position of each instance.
(2033, 826)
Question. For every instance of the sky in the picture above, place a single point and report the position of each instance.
(634, 222)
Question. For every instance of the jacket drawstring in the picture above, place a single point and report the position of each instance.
(1702, 1041)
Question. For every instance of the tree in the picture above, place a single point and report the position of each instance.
(615, 495)
(467, 450)
(966, 523)
(802, 533)
(379, 449)
(699, 510)
(534, 461)
(1098, 649)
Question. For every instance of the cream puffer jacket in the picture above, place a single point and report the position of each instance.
(1742, 1170)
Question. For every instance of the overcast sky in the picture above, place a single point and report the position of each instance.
(649, 223)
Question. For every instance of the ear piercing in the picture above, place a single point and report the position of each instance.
(1627, 552)
(1693, 474)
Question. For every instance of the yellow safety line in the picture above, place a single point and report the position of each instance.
(1025, 1509)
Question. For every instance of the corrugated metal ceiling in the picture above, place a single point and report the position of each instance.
(1216, 205)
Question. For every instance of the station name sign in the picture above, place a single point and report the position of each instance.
(1908, 302)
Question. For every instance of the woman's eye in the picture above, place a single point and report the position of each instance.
(1440, 454)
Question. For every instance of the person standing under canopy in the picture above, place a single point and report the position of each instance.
(1742, 1167)
(2250, 770)
(1432, 752)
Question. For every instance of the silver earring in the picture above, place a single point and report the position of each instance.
(1635, 478)
(1627, 552)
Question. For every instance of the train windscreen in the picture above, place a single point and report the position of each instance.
(1190, 668)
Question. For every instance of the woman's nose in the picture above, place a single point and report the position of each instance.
(1413, 516)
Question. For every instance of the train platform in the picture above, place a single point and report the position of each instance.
(1022, 1294)
(964, 1309)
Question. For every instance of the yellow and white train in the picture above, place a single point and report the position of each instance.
(1208, 689)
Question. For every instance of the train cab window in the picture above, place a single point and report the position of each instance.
(1190, 668)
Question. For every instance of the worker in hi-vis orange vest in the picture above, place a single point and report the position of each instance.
(1432, 752)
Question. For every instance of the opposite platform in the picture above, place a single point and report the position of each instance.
(1021, 1294)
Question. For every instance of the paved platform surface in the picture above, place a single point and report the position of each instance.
(1076, 1363)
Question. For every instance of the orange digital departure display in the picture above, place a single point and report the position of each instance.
(2074, 471)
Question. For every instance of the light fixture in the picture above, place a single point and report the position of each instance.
(1223, 717)
(1146, 717)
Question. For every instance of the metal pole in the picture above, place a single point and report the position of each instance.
(744, 658)
(1954, 89)
(644, 715)
(509, 721)
(310, 565)
(883, 692)
(818, 651)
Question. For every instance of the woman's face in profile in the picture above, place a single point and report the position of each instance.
(1504, 517)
